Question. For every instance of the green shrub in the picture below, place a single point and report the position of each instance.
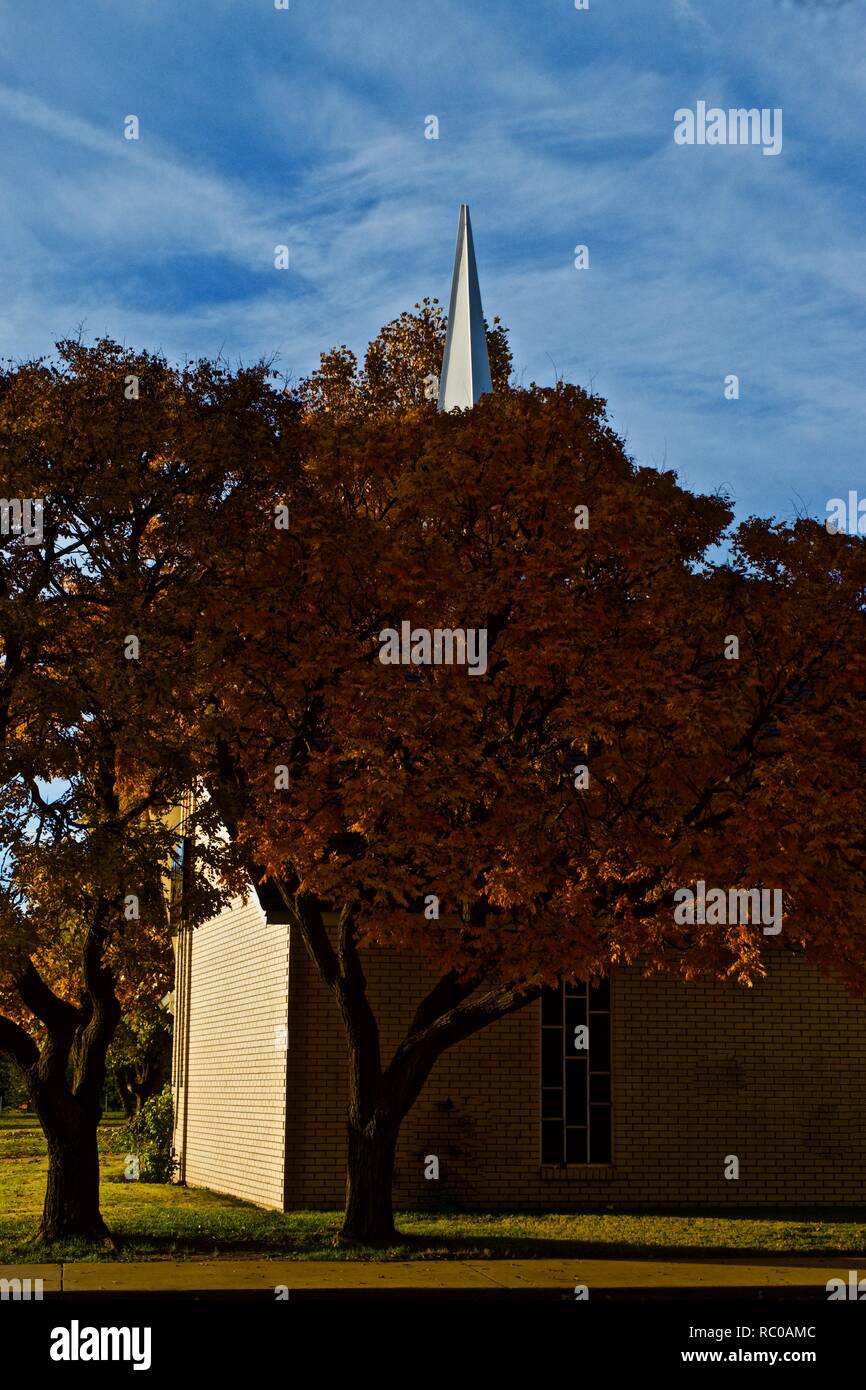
(13, 1092)
(147, 1136)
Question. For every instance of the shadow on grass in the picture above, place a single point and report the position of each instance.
(235, 1229)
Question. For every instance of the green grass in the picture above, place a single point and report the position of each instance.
(12, 1118)
(17, 1119)
(152, 1220)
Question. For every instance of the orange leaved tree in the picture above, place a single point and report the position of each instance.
(114, 466)
(476, 684)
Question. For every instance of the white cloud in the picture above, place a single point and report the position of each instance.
(703, 261)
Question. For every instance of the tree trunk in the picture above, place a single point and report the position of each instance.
(379, 1099)
(139, 1081)
(72, 1193)
(123, 1086)
(369, 1217)
(66, 1073)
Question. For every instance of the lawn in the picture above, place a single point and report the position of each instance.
(12, 1118)
(151, 1220)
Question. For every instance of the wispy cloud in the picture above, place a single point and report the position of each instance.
(306, 127)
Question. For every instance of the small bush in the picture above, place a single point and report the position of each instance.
(13, 1091)
(148, 1137)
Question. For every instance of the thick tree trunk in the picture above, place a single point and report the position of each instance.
(72, 1194)
(369, 1216)
(379, 1099)
(65, 1079)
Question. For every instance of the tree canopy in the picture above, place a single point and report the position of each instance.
(608, 649)
(261, 602)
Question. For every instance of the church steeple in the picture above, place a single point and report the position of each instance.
(465, 365)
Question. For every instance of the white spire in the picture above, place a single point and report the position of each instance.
(465, 365)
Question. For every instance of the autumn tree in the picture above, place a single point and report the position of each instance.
(140, 1055)
(643, 716)
(646, 716)
(400, 369)
(132, 460)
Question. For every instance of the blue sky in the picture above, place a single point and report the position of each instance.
(306, 127)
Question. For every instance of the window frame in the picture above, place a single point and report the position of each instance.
(578, 1002)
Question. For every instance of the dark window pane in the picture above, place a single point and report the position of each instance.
(576, 1086)
(551, 1006)
(576, 990)
(599, 997)
(575, 1092)
(575, 1014)
(575, 1145)
(551, 1142)
(599, 1134)
(551, 1104)
(599, 1088)
(551, 1057)
(599, 1042)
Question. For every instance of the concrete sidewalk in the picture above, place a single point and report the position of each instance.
(469, 1278)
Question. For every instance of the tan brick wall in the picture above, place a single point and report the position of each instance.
(230, 1102)
(775, 1075)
